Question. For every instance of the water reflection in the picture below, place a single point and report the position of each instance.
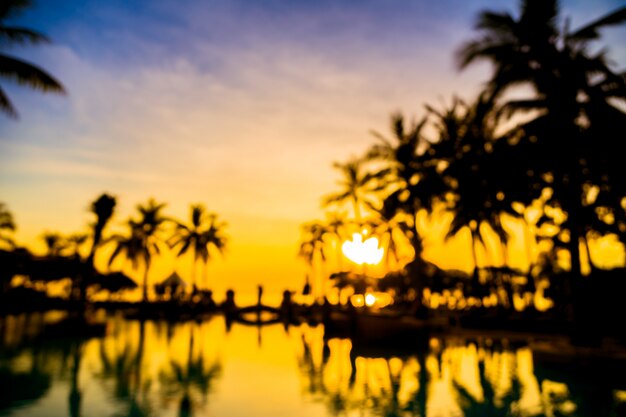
(451, 377)
(209, 368)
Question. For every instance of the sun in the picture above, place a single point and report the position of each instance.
(362, 252)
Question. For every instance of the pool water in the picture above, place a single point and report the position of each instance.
(210, 368)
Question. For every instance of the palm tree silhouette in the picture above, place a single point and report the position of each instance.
(474, 172)
(313, 245)
(74, 242)
(336, 226)
(411, 179)
(143, 241)
(571, 85)
(55, 243)
(387, 230)
(357, 187)
(103, 208)
(15, 69)
(6, 224)
(204, 232)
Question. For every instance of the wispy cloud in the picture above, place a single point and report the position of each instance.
(241, 105)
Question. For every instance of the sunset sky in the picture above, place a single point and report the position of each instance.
(240, 105)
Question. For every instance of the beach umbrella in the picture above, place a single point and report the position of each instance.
(173, 281)
(114, 282)
(307, 287)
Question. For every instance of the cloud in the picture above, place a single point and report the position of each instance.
(242, 107)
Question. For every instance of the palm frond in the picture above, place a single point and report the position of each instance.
(590, 31)
(22, 35)
(6, 106)
(11, 8)
(27, 74)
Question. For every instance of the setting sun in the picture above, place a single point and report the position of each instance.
(362, 252)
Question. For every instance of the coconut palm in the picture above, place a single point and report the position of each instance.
(74, 242)
(337, 226)
(6, 225)
(411, 178)
(313, 244)
(204, 232)
(143, 240)
(102, 208)
(388, 231)
(358, 187)
(212, 237)
(575, 90)
(14, 69)
(55, 243)
(480, 197)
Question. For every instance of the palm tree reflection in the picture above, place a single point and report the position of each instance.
(193, 380)
(335, 373)
(451, 377)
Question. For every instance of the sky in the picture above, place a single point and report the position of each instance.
(240, 105)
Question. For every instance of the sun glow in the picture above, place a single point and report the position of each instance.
(362, 252)
(371, 299)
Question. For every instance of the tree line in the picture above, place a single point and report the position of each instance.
(148, 233)
(498, 158)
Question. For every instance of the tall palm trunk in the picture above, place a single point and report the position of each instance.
(205, 274)
(475, 277)
(357, 210)
(145, 281)
(193, 270)
(416, 267)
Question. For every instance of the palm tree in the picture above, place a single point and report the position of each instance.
(204, 232)
(573, 92)
(15, 69)
(143, 241)
(6, 224)
(74, 243)
(482, 177)
(213, 237)
(55, 243)
(411, 179)
(313, 244)
(357, 187)
(102, 208)
(336, 226)
(387, 229)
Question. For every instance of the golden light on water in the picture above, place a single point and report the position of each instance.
(362, 252)
(372, 299)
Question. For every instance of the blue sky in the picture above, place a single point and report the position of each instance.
(240, 105)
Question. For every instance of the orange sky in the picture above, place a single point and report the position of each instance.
(242, 108)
